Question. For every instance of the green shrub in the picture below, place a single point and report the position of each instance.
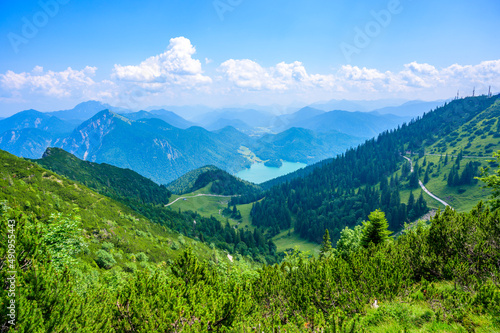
(105, 259)
(141, 257)
(130, 267)
(107, 246)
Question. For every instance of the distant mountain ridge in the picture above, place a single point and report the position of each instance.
(167, 116)
(303, 145)
(121, 184)
(35, 119)
(362, 124)
(161, 145)
(85, 110)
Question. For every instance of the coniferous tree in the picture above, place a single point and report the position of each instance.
(326, 245)
(376, 229)
(426, 176)
(493, 181)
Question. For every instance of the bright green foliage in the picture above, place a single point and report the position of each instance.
(117, 183)
(376, 229)
(63, 239)
(141, 257)
(326, 245)
(442, 277)
(493, 181)
(349, 241)
(105, 259)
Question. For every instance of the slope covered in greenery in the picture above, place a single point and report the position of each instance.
(148, 199)
(342, 191)
(40, 193)
(185, 183)
(439, 278)
(104, 178)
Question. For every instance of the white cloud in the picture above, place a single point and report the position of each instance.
(49, 83)
(174, 66)
(246, 73)
(176, 77)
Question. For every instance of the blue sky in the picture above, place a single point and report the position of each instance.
(228, 52)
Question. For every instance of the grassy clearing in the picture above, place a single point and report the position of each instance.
(288, 240)
(248, 154)
(245, 222)
(461, 198)
(204, 205)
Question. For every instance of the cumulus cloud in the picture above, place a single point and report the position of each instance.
(246, 73)
(175, 75)
(49, 83)
(175, 66)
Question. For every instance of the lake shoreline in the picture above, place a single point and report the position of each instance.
(259, 173)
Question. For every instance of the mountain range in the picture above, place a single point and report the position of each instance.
(161, 145)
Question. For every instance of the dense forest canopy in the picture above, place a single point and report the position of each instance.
(341, 192)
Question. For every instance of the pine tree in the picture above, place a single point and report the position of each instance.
(492, 181)
(326, 245)
(376, 229)
(426, 176)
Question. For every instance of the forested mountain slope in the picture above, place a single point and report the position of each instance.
(151, 147)
(342, 191)
(104, 178)
(123, 186)
(40, 193)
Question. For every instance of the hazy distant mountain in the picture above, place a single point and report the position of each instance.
(252, 118)
(360, 124)
(286, 121)
(85, 110)
(167, 116)
(223, 122)
(356, 105)
(411, 108)
(35, 119)
(303, 145)
(189, 112)
(28, 143)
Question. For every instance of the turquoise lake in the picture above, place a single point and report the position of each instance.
(259, 173)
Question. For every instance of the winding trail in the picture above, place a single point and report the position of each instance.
(201, 195)
(424, 188)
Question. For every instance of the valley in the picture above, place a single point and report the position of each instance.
(235, 166)
(209, 224)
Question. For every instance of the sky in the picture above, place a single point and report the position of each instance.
(55, 54)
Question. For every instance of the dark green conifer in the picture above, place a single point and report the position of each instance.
(326, 245)
(376, 229)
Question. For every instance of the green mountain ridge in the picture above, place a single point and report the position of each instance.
(100, 266)
(104, 178)
(41, 193)
(341, 192)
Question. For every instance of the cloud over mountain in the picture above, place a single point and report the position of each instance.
(176, 76)
(175, 66)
